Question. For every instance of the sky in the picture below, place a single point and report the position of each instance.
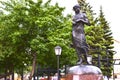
(112, 14)
(110, 9)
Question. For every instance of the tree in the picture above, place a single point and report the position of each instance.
(108, 43)
(30, 31)
(94, 30)
(91, 31)
(98, 36)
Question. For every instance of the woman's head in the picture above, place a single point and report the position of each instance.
(76, 6)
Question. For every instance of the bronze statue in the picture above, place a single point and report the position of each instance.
(78, 35)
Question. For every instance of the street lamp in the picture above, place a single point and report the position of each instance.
(89, 59)
(58, 51)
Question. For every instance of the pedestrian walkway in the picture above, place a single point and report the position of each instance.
(112, 79)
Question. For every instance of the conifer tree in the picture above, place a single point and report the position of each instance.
(99, 37)
(108, 43)
(94, 30)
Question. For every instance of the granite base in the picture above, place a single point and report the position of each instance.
(84, 72)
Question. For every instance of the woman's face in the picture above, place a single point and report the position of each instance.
(77, 10)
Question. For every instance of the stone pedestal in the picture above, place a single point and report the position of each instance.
(84, 72)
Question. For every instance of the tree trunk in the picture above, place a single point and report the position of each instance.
(33, 66)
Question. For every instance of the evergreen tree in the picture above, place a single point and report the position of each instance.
(98, 37)
(94, 30)
(108, 44)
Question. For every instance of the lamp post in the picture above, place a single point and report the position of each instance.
(58, 51)
(89, 59)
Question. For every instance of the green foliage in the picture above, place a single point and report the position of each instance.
(30, 27)
(108, 43)
(27, 27)
(99, 37)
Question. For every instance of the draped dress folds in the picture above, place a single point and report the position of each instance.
(78, 35)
